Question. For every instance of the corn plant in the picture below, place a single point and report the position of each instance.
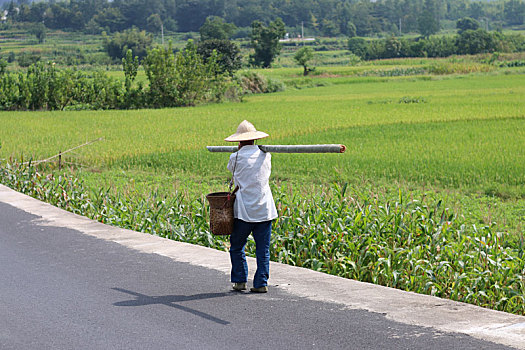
(410, 244)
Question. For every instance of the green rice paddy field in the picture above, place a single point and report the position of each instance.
(460, 136)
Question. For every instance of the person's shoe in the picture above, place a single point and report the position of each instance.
(262, 289)
(239, 286)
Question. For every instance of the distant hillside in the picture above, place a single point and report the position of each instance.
(2, 2)
(329, 18)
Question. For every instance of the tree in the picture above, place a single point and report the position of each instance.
(183, 79)
(191, 14)
(466, 23)
(92, 27)
(351, 30)
(131, 39)
(154, 23)
(215, 28)
(329, 28)
(130, 67)
(110, 18)
(514, 12)
(472, 42)
(428, 21)
(302, 56)
(229, 55)
(265, 42)
(39, 30)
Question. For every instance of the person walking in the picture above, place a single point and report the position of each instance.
(253, 209)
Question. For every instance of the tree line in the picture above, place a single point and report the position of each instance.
(319, 17)
(470, 40)
(196, 74)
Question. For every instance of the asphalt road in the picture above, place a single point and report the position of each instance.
(61, 289)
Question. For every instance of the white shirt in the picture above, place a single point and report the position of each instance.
(251, 170)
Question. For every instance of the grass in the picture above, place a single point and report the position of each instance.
(454, 131)
(429, 196)
(459, 134)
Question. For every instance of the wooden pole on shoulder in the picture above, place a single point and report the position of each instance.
(331, 148)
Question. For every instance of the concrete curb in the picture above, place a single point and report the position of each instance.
(406, 307)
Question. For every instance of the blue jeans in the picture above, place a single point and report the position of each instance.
(262, 232)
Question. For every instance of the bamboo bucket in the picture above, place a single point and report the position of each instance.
(221, 213)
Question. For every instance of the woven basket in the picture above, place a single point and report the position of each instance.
(221, 213)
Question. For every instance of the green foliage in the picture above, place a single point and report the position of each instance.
(468, 42)
(255, 83)
(182, 79)
(358, 46)
(39, 30)
(130, 66)
(265, 42)
(476, 41)
(216, 28)
(354, 60)
(412, 244)
(514, 12)
(11, 57)
(376, 49)
(27, 58)
(428, 20)
(407, 244)
(320, 17)
(392, 47)
(434, 46)
(154, 23)
(351, 30)
(3, 66)
(227, 53)
(111, 19)
(132, 39)
(159, 66)
(302, 57)
(329, 28)
(44, 86)
(466, 23)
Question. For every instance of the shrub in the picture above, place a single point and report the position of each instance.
(132, 39)
(392, 48)
(27, 58)
(358, 46)
(255, 83)
(11, 57)
(376, 50)
(475, 41)
(354, 60)
(439, 46)
(181, 79)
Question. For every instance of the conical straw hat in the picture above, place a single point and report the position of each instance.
(246, 132)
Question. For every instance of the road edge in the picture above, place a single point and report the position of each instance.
(405, 307)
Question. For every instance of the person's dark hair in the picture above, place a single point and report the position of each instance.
(246, 143)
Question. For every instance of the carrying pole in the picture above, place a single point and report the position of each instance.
(335, 148)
